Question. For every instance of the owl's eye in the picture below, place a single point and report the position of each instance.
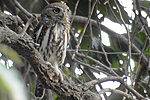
(57, 10)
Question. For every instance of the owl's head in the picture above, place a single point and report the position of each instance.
(58, 12)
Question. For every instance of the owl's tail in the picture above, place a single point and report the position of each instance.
(39, 90)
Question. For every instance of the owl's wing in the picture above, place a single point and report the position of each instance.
(37, 31)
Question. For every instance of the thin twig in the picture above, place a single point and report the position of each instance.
(116, 92)
(90, 36)
(27, 25)
(142, 21)
(96, 61)
(80, 40)
(128, 34)
(119, 79)
(22, 9)
(132, 42)
(46, 2)
(139, 59)
(108, 53)
(113, 13)
(102, 46)
(75, 10)
(95, 68)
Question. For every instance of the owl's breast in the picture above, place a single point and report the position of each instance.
(53, 42)
(57, 45)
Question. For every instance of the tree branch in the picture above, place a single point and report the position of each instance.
(14, 10)
(117, 92)
(119, 79)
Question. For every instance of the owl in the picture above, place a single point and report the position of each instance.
(52, 33)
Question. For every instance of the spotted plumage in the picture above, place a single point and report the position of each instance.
(52, 33)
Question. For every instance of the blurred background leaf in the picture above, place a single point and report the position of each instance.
(11, 54)
(11, 87)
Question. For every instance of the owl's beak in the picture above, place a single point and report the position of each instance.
(64, 16)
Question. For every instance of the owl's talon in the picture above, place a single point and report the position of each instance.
(56, 71)
(49, 65)
(59, 74)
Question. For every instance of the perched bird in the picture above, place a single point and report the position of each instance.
(52, 33)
